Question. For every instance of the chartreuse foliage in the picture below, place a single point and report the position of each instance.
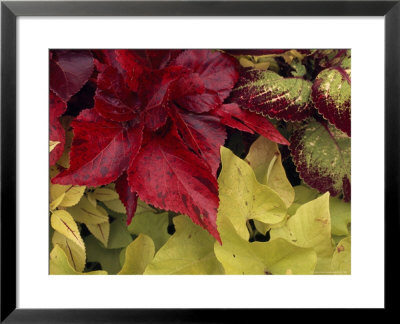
(189, 251)
(138, 255)
(59, 264)
(151, 222)
(141, 182)
(300, 222)
(243, 198)
(238, 256)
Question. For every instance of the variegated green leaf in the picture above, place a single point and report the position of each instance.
(269, 94)
(331, 94)
(322, 156)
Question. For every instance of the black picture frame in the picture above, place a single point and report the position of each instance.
(10, 10)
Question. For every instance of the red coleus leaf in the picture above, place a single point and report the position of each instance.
(128, 198)
(113, 99)
(204, 134)
(167, 175)
(135, 64)
(57, 132)
(330, 57)
(331, 94)
(159, 59)
(172, 99)
(155, 91)
(101, 150)
(231, 115)
(269, 94)
(69, 71)
(218, 73)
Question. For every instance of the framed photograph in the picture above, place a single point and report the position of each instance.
(196, 142)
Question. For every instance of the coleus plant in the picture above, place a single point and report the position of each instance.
(156, 127)
(311, 95)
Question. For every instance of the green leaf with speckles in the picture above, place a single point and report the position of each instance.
(243, 198)
(322, 155)
(238, 256)
(190, 250)
(269, 94)
(331, 94)
(299, 69)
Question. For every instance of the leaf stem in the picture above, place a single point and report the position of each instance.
(271, 165)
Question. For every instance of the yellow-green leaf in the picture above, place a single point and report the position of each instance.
(265, 159)
(91, 198)
(340, 216)
(310, 227)
(340, 210)
(148, 222)
(303, 194)
(100, 231)
(264, 228)
(75, 253)
(63, 223)
(71, 195)
(105, 194)
(341, 260)
(243, 198)
(239, 256)
(59, 264)
(138, 255)
(108, 258)
(86, 213)
(190, 250)
(116, 205)
(119, 235)
(56, 202)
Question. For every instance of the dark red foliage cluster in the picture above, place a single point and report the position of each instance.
(156, 127)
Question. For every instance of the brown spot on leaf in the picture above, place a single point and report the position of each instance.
(323, 221)
(340, 248)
